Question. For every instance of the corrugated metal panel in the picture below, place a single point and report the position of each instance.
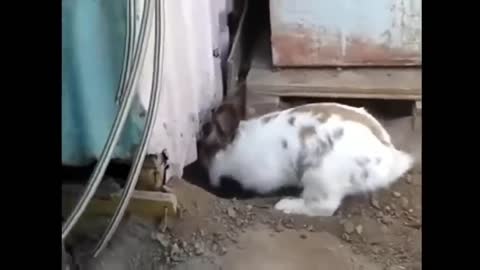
(93, 38)
(346, 32)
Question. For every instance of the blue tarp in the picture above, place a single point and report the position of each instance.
(93, 38)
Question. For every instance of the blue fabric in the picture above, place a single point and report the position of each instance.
(93, 34)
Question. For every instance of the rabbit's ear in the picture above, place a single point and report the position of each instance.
(226, 120)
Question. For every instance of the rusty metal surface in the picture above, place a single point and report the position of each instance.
(346, 32)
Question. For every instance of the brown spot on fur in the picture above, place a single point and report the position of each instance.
(291, 120)
(284, 144)
(365, 174)
(306, 132)
(337, 134)
(267, 118)
(362, 162)
(323, 111)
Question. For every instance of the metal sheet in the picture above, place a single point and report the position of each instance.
(346, 32)
(93, 34)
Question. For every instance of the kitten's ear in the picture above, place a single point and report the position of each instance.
(226, 120)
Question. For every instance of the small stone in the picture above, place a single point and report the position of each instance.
(346, 237)
(161, 238)
(303, 236)
(278, 227)
(249, 207)
(404, 203)
(175, 249)
(218, 236)
(387, 208)
(396, 194)
(348, 227)
(410, 210)
(359, 229)
(374, 202)
(288, 223)
(198, 249)
(214, 247)
(376, 249)
(387, 220)
(183, 244)
(223, 251)
(231, 212)
(310, 228)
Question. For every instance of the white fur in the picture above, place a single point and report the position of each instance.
(258, 160)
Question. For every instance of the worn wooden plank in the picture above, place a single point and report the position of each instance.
(356, 83)
(370, 83)
(146, 204)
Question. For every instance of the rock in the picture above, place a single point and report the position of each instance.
(198, 249)
(346, 237)
(376, 249)
(249, 207)
(348, 227)
(161, 238)
(231, 212)
(396, 194)
(287, 223)
(359, 229)
(374, 202)
(218, 235)
(303, 236)
(310, 228)
(278, 227)
(175, 249)
(404, 203)
(387, 220)
(223, 251)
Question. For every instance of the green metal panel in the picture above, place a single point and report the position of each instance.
(93, 34)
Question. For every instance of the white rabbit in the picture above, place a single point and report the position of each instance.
(329, 149)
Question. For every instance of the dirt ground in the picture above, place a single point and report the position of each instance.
(376, 231)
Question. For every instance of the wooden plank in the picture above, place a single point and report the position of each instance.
(370, 83)
(146, 204)
(359, 83)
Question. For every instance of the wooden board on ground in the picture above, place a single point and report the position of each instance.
(370, 83)
(146, 204)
